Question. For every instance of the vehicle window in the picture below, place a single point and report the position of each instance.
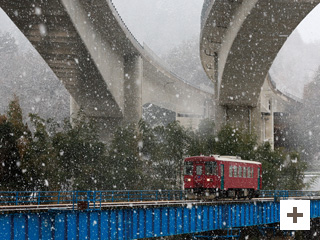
(199, 170)
(235, 172)
(188, 167)
(249, 172)
(211, 168)
(244, 172)
(230, 171)
(240, 171)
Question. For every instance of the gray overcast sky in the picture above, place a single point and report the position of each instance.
(164, 23)
(309, 27)
(161, 24)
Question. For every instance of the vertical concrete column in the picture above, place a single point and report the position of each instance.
(269, 125)
(220, 111)
(256, 122)
(219, 115)
(133, 75)
(74, 109)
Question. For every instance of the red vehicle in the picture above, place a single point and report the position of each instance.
(222, 176)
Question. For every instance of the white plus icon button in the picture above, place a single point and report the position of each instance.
(294, 214)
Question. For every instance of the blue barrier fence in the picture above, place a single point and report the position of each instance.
(141, 222)
(285, 194)
(95, 197)
(98, 197)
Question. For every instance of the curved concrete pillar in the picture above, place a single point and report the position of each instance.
(133, 74)
(239, 41)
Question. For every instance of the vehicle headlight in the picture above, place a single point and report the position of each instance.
(188, 179)
(209, 180)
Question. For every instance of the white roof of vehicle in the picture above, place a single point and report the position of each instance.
(233, 159)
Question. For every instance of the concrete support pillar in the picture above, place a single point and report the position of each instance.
(266, 124)
(220, 111)
(74, 109)
(133, 75)
(249, 118)
(255, 120)
(246, 117)
(268, 129)
(239, 116)
(105, 126)
(219, 116)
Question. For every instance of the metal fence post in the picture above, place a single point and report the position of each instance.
(76, 199)
(72, 200)
(88, 197)
(94, 199)
(17, 197)
(100, 198)
(39, 197)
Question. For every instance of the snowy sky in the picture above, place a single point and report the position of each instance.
(309, 27)
(161, 24)
(164, 23)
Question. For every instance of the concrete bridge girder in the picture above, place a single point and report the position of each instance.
(106, 71)
(239, 41)
(87, 50)
(48, 26)
(179, 98)
(143, 75)
(166, 90)
(115, 56)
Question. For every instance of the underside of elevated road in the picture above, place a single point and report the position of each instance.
(239, 42)
(106, 71)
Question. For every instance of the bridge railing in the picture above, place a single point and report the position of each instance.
(93, 197)
(36, 197)
(285, 194)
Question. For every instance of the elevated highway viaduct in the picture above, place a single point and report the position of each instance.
(239, 41)
(106, 71)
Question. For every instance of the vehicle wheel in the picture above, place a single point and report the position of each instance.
(217, 195)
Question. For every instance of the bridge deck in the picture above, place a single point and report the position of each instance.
(137, 219)
(141, 220)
